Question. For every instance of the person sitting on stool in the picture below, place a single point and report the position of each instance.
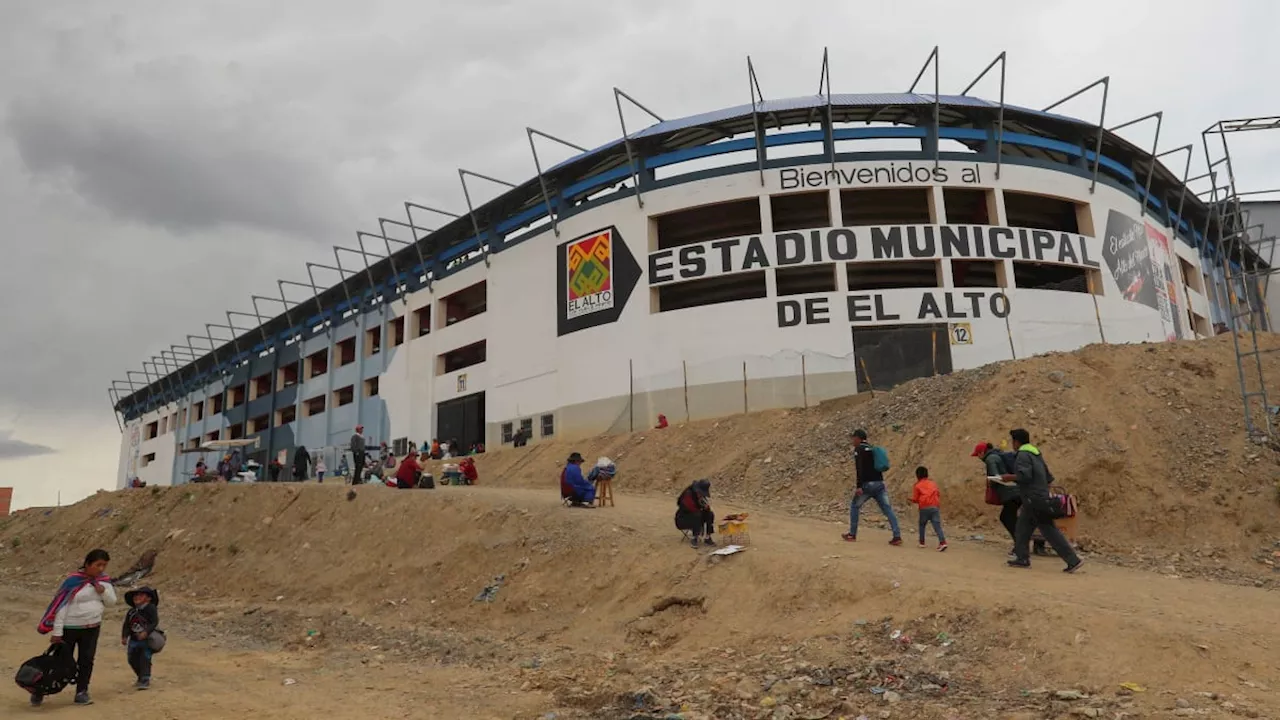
(693, 512)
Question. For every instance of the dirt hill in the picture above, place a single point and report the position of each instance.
(537, 611)
(1150, 438)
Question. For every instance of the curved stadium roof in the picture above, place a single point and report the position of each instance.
(1025, 137)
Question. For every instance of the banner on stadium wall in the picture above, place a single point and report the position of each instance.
(1140, 260)
(727, 256)
(596, 274)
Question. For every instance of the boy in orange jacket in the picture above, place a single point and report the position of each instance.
(925, 494)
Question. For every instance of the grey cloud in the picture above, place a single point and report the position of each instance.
(11, 448)
(180, 177)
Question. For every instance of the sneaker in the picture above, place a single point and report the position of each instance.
(923, 545)
(709, 542)
(1015, 563)
(82, 698)
(694, 543)
(896, 541)
(942, 546)
(1073, 568)
(37, 699)
(143, 683)
(849, 537)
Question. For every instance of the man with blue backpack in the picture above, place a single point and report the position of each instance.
(870, 463)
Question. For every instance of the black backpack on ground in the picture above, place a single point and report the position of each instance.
(47, 674)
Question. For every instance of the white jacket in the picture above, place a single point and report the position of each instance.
(85, 609)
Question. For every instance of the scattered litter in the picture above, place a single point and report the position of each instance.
(729, 550)
(290, 681)
(491, 590)
(978, 538)
(279, 598)
(1133, 687)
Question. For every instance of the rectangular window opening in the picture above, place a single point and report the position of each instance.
(236, 431)
(548, 425)
(153, 430)
(396, 328)
(807, 279)
(526, 427)
(885, 206)
(1041, 212)
(193, 444)
(259, 424)
(422, 321)
(215, 404)
(800, 211)
(344, 396)
(346, 351)
(891, 275)
(237, 395)
(260, 387)
(977, 273)
(372, 341)
(968, 207)
(712, 291)
(317, 363)
(463, 357)
(400, 447)
(709, 222)
(286, 415)
(314, 406)
(507, 432)
(466, 303)
(371, 387)
(1191, 276)
(197, 412)
(1063, 278)
(211, 436)
(288, 375)
(148, 459)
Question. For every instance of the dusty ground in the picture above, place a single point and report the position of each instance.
(604, 613)
(496, 602)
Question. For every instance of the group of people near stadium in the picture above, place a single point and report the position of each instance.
(1019, 481)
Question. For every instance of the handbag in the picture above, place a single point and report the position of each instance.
(155, 641)
(49, 673)
(992, 496)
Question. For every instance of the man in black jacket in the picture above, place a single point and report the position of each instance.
(1032, 477)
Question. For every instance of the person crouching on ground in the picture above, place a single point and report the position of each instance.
(926, 496)
(75, 618)
(1033, 478)
(870, 463)
(573, 486)
(140, 622)
(408, 472)
(693, 512)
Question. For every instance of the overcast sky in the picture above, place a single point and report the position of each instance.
(160, 161)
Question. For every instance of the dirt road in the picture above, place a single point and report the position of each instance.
(595, 604)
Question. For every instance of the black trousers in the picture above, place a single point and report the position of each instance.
(698, 523)
(140, 658)
(357, 459)
(1028, 522)
(84, 643)
(1009, 519)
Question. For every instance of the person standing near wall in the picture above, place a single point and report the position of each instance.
(357, 455)
(1033, 478)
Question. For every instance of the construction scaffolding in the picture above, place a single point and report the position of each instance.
(1245, 251)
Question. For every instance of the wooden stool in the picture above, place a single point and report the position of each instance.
(604, 493)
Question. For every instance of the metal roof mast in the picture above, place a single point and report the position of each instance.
(1238, 248)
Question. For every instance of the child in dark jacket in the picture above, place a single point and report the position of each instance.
(926, 496)
(142, 620)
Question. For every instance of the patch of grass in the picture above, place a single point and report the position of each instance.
(234, 549)
(121, 528)
(155, 489)
(16, 542)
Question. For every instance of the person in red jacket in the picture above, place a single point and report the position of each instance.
(926, 496)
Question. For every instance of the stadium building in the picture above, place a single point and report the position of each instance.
(774, 254)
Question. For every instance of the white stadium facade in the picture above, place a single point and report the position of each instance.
(774, 254)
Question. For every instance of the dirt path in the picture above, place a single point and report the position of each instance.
(575, 622)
